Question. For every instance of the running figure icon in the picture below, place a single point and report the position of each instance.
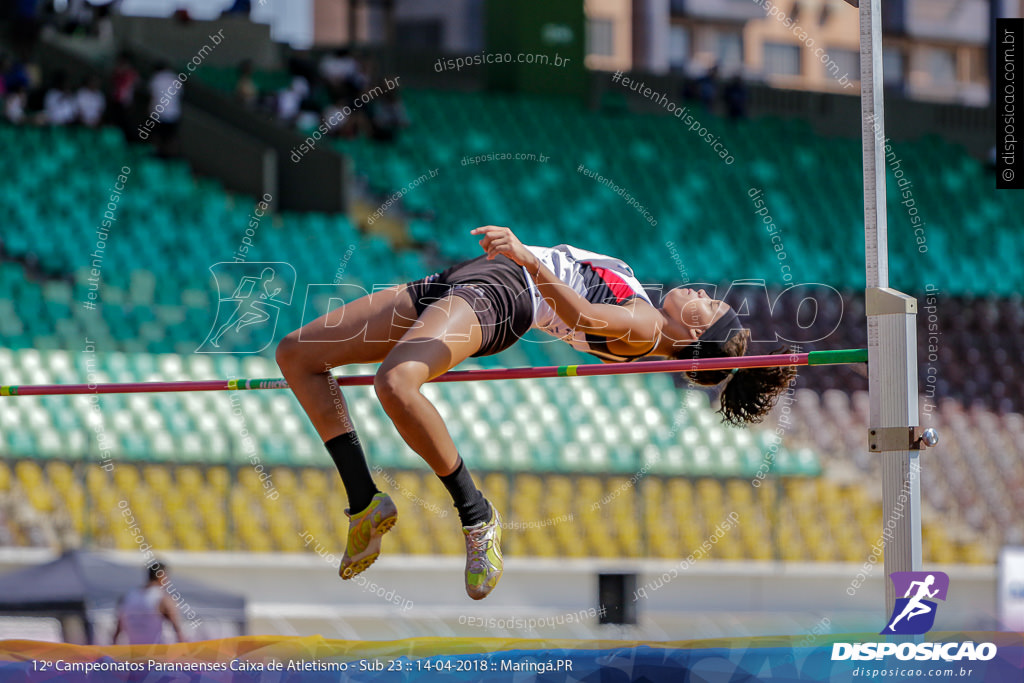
(915, 607)
(247, 318)
(251, 310)
(920, 591)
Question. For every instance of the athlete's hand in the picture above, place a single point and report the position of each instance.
(502, 241)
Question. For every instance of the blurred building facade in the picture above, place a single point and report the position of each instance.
(934, 49)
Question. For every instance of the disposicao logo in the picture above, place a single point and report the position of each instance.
(914, 614)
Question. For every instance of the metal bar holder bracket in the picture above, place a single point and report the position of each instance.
(881, 439)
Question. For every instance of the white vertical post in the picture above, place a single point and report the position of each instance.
(872, 121)
(892, 334)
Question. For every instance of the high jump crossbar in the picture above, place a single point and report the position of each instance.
(833, 357)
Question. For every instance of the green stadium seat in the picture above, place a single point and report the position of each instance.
(174, 226)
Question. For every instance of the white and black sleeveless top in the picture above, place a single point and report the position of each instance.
(141, 617)
(599, 279)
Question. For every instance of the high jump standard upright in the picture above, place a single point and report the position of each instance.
(892, 333)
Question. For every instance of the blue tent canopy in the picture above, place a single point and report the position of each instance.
(81, 583)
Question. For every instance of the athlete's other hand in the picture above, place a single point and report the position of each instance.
(498, 240)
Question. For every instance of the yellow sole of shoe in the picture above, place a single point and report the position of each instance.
(358, 566)
(363, 563)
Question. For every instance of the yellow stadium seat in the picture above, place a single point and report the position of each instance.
(284, 479)
(219, 479)
(495, 482)
(34, 486)
(314, 481)
(28, 472)
(157, 476)
(196, 507)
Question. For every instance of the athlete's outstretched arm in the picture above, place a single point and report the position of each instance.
(638, 322)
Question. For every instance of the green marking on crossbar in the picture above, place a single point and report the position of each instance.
(837, 357)
(276, 383)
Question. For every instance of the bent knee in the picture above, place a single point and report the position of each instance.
(292, 354)
(394, 384)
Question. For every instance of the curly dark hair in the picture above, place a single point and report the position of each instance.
(153, 570)
(749, 396)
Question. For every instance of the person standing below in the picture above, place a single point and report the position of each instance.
(340, 73)
(142, 611)
(735, 96)
(59, 106)
(165, 108)
(15, 105)
(122, 94)
(387, 117)
(245, 87)
(289, 101)
(90, 103)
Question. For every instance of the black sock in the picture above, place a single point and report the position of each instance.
(348, 457)
(471, 504)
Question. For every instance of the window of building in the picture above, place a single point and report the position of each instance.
(847, 63)
(678, 47)
(729, 50)
(781, 59)
(942, 66)
(892, 65)
(600, 37)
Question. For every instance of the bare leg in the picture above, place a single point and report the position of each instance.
(362, 331)
(447, 333)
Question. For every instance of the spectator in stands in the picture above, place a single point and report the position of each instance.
(15, 81)
(17, 74)
(59, 106)
(142, 611)
(245, 86)
(91, 103)
(707, 87)
(387, 117)
(91, 18)
(336, 67)
(289, 100)
(336, 121)
(16, 105)
(342, 75)
(735, 96)
(165, 93)
(103, 22)
(74, 16)
(122, 94)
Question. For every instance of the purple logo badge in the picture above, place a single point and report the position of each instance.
(914, 613)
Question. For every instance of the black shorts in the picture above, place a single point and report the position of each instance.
(497, 290)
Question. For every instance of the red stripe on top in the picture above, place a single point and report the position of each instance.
(620, 289)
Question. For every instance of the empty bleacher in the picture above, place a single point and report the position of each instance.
(546, 449)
